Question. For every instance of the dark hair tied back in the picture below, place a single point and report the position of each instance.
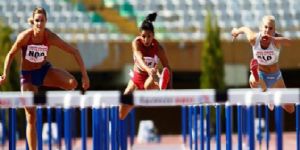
(151, 17)
(147, 23)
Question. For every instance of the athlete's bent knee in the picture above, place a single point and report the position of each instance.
(72, 84)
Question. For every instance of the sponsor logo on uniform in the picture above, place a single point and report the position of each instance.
(36, 53)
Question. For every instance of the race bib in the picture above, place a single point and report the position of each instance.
(36, 53)
(150, 62)
(265, 57)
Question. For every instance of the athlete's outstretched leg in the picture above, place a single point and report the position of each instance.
(126, 108)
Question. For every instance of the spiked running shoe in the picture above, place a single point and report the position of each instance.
(164, 78)
(254, 69)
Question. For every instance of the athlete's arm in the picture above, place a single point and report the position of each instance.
(251, 36)
(280, 40)
(163, 57)
(165, 63)
(58, 42)
(136, 48)
(11, 55)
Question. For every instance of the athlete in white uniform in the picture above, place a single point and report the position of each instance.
(266, 50)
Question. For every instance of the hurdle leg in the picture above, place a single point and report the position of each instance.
(251, 134)
(3, 140)
(49, 117)
(132, 126)
(83, 123)
(298, 126)
(58, 118)
(113, 124)
(207, 127)
(267, 126)
(123, 134)
(195, 127)
(39, 126)
(228, 114)
(259, 137)
(183, 123)
(12, 128)
(218, 127)
(105, 129)
(190, 124)
(278, 123)
(202, 127)
(239, 127)
(67, 127)
(95, 128)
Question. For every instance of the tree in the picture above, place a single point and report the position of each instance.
(212, 75)
(12, 82)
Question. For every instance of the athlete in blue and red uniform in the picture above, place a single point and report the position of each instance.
(36, 70)
(146, 53)
(264, 66)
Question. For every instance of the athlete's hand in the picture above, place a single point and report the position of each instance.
(152, 71)
(234, 33)
(266, 37)
(2, 79)
(85, 81)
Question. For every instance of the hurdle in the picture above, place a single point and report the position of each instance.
(246, 101)
(108, 132)
(199, 110)
(196, 115)
(185, 98)
(276, 97)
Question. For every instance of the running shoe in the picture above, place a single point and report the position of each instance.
(254, 69)
(164, 78)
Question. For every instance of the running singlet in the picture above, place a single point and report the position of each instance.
(267, 56)
(149, 54)
(35, 53)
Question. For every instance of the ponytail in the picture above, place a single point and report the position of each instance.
(147, 23)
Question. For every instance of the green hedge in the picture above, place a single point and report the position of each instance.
(12, 83)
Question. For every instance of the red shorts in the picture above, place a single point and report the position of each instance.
(139, 79)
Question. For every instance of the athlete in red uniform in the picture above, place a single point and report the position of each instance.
(146, 53)
(36, 70)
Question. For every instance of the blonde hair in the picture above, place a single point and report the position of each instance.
(268, 18)
(37, 10)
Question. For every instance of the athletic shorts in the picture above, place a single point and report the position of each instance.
(270, 78)
(139, 79)
(35, 77)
